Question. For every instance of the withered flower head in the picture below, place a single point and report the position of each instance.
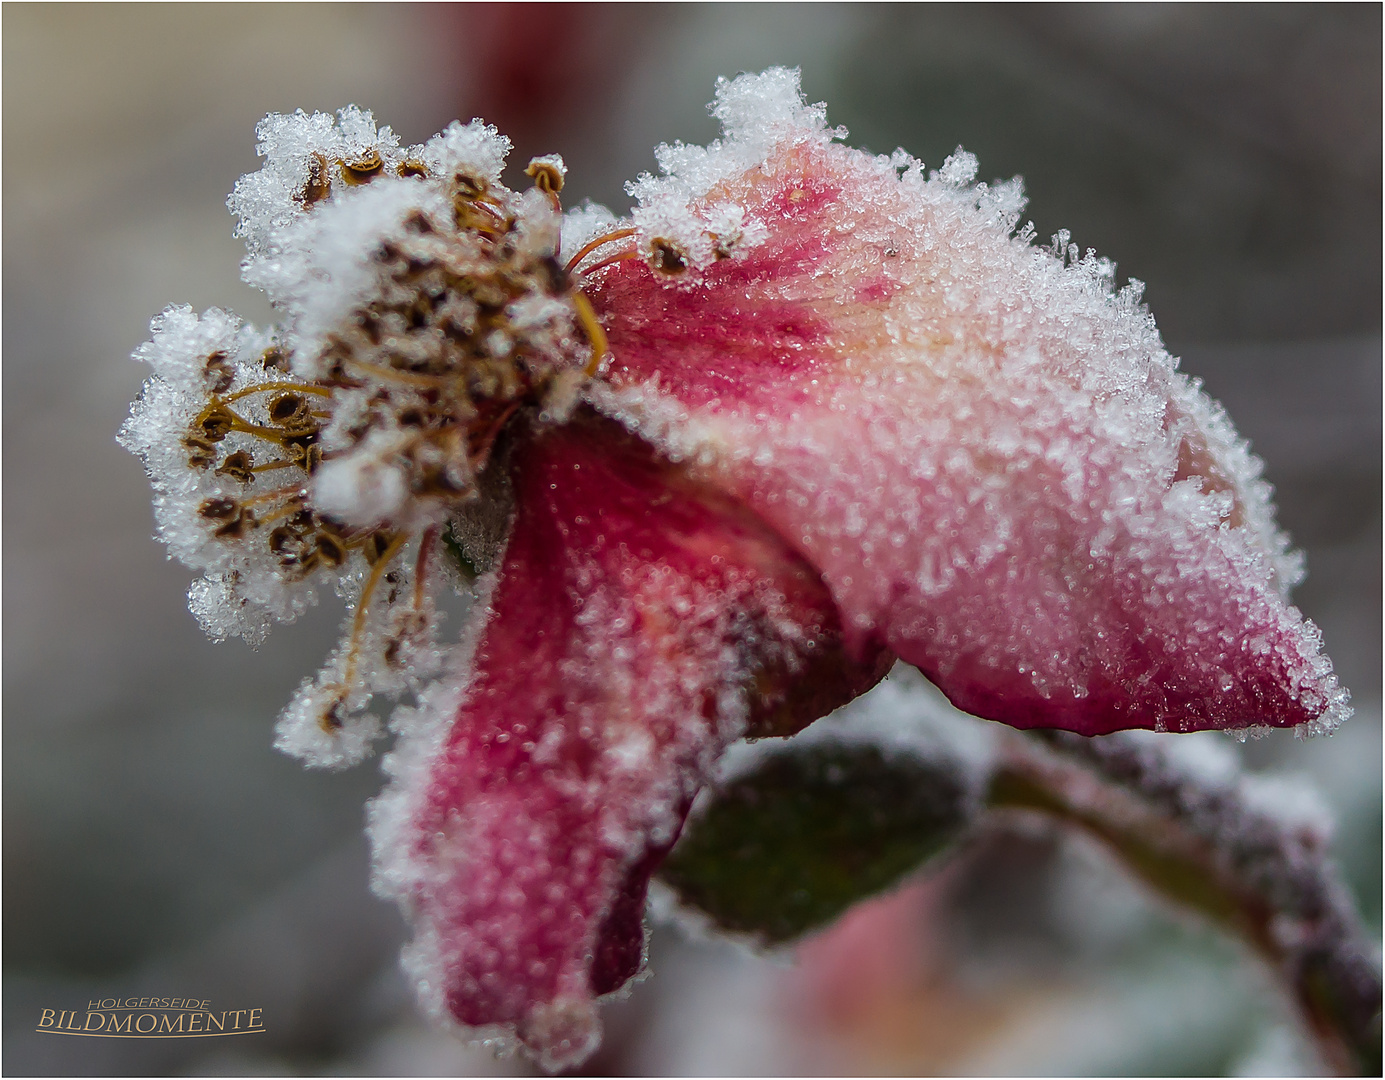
(719, 464)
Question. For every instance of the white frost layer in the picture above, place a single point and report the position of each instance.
(757, 113)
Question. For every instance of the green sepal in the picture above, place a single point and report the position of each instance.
(787, 848)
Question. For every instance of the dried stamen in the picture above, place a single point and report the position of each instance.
(546, 174)
(288, 409)
(627, 254)
(592, 245)
(667, 257)
(219, 369)
(238, 466)
(330, 721)
(591, 326)
(362, 170)
(298, 388)
(319, 184)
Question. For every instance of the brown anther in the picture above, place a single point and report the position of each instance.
(237, 527)
(547, 177)
(666, 257)
(201, 451)
(288, 544)
(363, 170)
(330, 721)
(294, 545)
(471, 215)
(319, 184)
(412, 168)
(299, 448)
(219, 509)
(330, 548)
(219, 369)
(376, 544)
(215, 424)
(287, 409)
(469, 187)
(235, 518)
(722, 247)
(238, 466)
(418, 222)
(274, 359)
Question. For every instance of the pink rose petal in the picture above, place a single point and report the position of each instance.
(988, 455)
(638, 625)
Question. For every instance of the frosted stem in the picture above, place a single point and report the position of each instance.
(1203, 846)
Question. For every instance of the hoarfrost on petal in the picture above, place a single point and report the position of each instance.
(983, 446)
(636, 627)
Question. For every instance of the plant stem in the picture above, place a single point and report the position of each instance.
(1200, 843)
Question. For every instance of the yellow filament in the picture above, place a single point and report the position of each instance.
(240, 423)
(283, 511)
(358, 623)
(425, 547)
(409, 378)
(630, 253)
(300, 387)
(592, 327)
(592, 245)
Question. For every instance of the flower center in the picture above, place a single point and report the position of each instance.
(384, 424)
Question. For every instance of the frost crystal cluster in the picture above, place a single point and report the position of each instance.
(719, 464)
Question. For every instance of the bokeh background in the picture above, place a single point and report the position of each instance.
(1230, 156)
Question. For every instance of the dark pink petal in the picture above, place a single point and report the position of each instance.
(639, 624)
(987, 454)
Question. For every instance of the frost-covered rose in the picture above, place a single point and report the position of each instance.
(717, 465)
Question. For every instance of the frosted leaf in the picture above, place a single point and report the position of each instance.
(795, 831)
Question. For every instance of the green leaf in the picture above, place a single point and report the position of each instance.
(814, 829)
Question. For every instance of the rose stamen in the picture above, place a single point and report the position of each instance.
(329, 720)
(408, 378)
(592, 245)
(300, 388)
(425, 549)
(292, 490)
(592, 327)
(629, 253)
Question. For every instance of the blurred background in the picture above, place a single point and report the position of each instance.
(1229, 156)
